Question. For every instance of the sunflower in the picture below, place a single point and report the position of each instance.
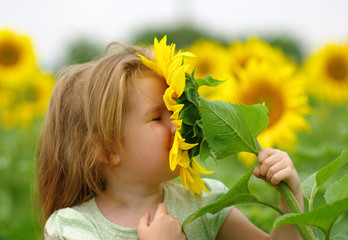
(327, 70)
(17, 56)
(282, 91)
(211, 59)
(241, 52)
(27, 101)
(173, 67)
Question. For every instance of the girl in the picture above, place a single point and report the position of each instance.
(103, 168)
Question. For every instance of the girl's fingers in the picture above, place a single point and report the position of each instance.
(256, 172)
(265, 153)
(274, 169)
(161, 210)
(144, 220)
(273, 157)
(268, 163)
(282, 175)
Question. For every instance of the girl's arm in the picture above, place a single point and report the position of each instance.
(275, 166)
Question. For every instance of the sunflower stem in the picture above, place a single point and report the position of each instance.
(290, 200)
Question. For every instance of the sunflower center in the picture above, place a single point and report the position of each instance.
(268, 94)
(204, 67)
(9, 54)
(337, 68)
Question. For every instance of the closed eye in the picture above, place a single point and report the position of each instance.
(156, 119)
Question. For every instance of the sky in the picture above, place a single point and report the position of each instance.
(52, 25)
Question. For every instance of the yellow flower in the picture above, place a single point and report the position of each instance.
(327, 70)
(254, 49)
(26, 101)
(283, 93)
(261, 73)
(17, 57)
(173, 67)
(212, 58)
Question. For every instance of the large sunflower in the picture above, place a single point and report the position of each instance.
(282, 91)
(17, 56)
(327, 70)
(173, 67)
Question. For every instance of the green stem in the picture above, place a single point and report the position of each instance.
(304, 230)
(290, 200)
(310, 208)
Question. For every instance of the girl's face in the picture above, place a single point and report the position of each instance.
(148, 134)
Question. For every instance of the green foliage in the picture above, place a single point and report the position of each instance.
(337, 191)
(18, 217)
(182, 36)
(81, 50)
(336, 198)
(312, 184)
(323, 217)
(239, 193)
(231, 128)
(208, 81)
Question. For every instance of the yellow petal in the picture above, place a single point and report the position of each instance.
(199, 168)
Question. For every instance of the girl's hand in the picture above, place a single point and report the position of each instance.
(276, 166)
(163, 226)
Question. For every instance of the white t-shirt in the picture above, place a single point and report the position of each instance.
(86, 222)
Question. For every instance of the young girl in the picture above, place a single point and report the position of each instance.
(103, 168)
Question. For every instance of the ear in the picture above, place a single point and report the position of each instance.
(114, 160)
(108, 159)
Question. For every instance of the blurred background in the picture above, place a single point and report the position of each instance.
(290, 55)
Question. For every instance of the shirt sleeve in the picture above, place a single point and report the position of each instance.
(68, 224)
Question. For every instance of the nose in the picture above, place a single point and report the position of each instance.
(172, 128)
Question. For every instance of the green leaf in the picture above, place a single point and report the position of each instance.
(208, 81)
(232, 128)
(197, 130)
(189, 114)
(337, 191)
(339, 236)
(323, 217)
(239, 193)
(316, 180)
(192, 95)
(329, 170)
(204, 150)
(309, 186)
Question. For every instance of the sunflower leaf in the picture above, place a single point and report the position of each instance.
(208, 81)
(337, 191)
(239, 193)
(189, 114)
(323, 217)
(204, 150)
(317, 179)
(329, 170)
(232, 128)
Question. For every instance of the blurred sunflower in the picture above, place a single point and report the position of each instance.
(241, 52)
(327, 70)
(283, 94)
(27, 102)
(17, 56)
(212, 59)
(172, 66)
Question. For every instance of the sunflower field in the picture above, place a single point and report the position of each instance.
(307, 101)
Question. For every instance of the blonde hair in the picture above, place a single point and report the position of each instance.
(84, 119)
